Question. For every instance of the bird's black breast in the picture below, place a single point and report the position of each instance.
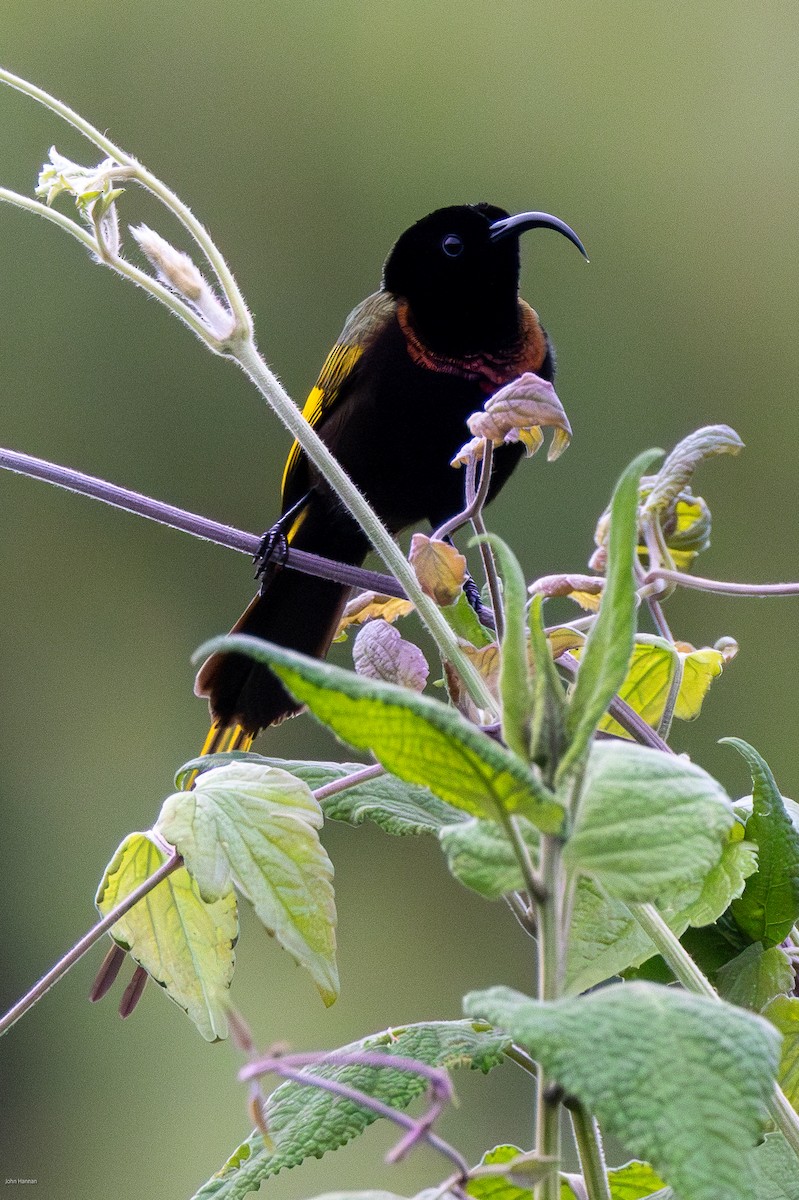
(397, 425)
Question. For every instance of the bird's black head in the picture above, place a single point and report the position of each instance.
(458, 269)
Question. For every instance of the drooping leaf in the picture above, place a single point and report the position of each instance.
(605, 659)
(257, 827)
(366, 606)
(463, 621)
(585, 590)
(306, 1121)
(681, 463)
(183, 942)
(769, 906)
(755, 977)
(415, 737)
(637, 806)
(666, 681)
(681, 1080)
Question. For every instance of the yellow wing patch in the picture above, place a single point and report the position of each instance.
(338, 365)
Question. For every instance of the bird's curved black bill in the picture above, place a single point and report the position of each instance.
(534, 220)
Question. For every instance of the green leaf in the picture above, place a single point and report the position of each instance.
(515, 686)
(415, 737)
(634, 1181)
(507, 1173)
(306, 1121)
(549, 699)
(769, 906)
(463, 620)
(682, 1080)
(664, 681)
(783, 1012)
(183, 942)
(638, 805)
(607, 940)
(396, 807)
(604, 661)
(775, 1169)
(480, 856)
(755, 977)
(257, 827)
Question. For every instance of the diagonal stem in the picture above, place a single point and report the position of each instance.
(86, 942)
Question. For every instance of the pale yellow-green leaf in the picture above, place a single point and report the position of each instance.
(257, 827)
(182, 941)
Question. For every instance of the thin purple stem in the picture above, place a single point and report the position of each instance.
(86, 942)
(417, 1128)
(187, 522)
(716, 585)
(348, 781)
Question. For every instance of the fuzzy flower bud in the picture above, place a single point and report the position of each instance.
(177, 271)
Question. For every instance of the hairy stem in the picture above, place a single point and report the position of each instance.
(550, 975)
(256, 369)
(86, 942)
(716, 585)
(588, 1140)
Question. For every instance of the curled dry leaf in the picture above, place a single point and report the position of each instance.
(439, 567)
(380, 652)
(585, 590)
(487, 661)
(368, 606)
(517, 413)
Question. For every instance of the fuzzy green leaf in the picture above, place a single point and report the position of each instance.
(183, 942)
(306, 1121)
(650, 826)
(480, 856)
(682, 1080)
(775, 1169)
(769, 906)
(257, 827)
(416, 738)
(606, 657)
(607, 940)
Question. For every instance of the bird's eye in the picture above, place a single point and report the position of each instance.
(452, 245)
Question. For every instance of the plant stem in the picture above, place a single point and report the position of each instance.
(348, 781)
(716, 585)
(251, 362)
(550, 975)
(589, 1148)
(685, 969)
(187, 522)
(86, 942)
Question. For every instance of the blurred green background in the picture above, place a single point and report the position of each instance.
(307, 136)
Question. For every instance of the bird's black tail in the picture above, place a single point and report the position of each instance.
(298, 611)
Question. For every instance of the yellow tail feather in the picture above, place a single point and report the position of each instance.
(221, 738)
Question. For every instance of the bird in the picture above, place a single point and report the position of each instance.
(414, 360)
